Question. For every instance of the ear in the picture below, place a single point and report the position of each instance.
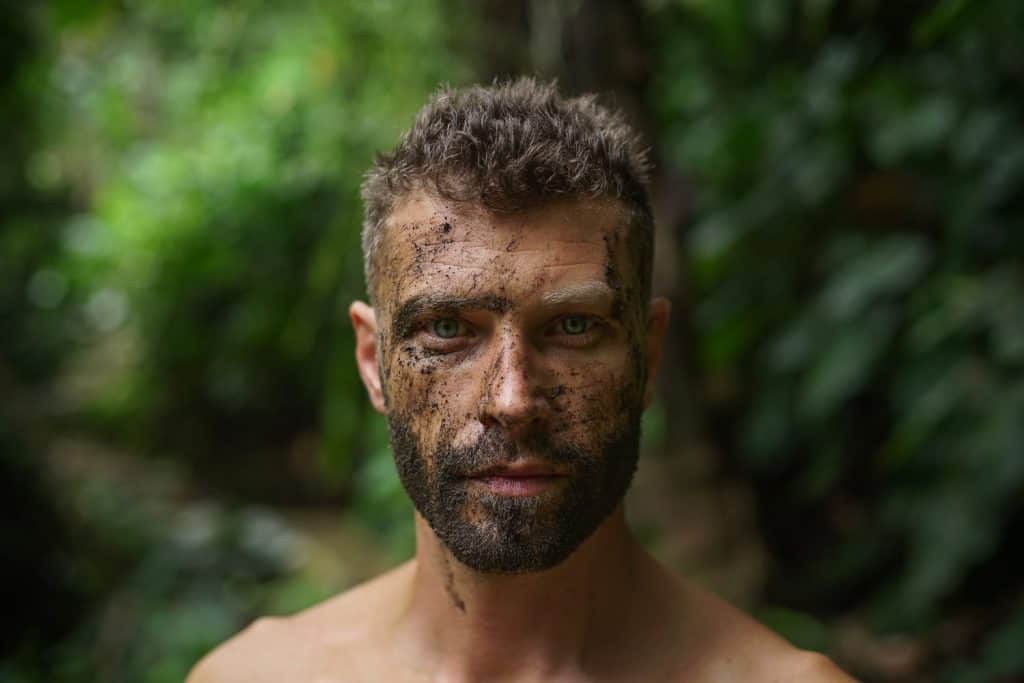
(657, 326)
(364, 320)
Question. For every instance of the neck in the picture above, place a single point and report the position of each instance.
(483, 626)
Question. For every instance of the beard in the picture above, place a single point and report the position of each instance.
(515, 534)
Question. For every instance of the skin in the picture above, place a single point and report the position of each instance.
(512, 366)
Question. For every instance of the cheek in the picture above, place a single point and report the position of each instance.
(595, 399)
(429, 396)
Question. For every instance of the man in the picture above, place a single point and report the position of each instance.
(511, 342)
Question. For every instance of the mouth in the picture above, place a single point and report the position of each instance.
(518, 479)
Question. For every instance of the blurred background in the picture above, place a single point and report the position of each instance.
(837, 444)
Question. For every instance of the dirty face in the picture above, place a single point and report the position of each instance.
(510, 364)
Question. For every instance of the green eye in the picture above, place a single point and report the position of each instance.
(446, 328)
(575, 324)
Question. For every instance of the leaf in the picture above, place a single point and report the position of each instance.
(882, 269)
(845, 365)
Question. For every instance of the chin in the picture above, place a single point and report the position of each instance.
(520, 535)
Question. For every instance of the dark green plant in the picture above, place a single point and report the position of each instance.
(36, 293)
(224, 217)
(856, 255)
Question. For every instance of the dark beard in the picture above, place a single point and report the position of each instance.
(505, 534)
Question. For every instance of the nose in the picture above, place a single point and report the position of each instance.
(511, 396)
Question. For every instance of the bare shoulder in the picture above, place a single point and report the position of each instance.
(736, 647)
(773, 659)
(291, 648)
(812, 667)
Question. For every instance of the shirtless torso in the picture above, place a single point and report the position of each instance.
(671, 631)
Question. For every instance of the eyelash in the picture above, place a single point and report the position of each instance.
(438, 344)
(578, 340)
(451, 344)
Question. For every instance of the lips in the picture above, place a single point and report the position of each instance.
(518, 478)
(518, 470)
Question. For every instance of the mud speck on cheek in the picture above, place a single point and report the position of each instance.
(408, 375)
(594, 397)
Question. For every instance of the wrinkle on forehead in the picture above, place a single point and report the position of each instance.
(452, 264)
(446, 222)
(429, 243)
(442, 243)
(539, 243)
(484, 256)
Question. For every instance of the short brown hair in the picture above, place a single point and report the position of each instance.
(512, 146)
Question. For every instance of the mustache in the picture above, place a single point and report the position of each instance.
(496, 447)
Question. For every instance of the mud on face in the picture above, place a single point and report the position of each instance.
(512, 380)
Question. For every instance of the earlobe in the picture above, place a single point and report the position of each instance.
(364, 322)
(657, 327)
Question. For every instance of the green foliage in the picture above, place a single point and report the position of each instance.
(38, 539)
(36, 297)
(382, 504)
(186, 191)
(856, 259)
(177, 582)
(223, 146)
(1001, 658)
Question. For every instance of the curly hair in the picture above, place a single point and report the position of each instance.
(510, 147)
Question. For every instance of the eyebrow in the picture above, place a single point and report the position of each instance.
(413, 308)
(584, 293)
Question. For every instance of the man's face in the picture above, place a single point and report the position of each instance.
(511, 364)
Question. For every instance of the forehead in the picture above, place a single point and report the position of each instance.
(430, 245)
